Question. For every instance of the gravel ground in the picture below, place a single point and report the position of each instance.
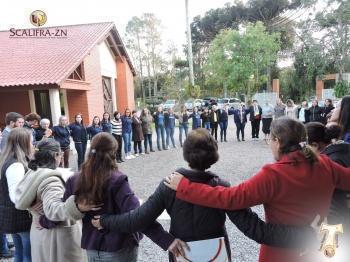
(238, 162)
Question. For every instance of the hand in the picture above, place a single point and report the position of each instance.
(85, 207)
(178, 248)
(38, 226)
(173, 180)
(96, 222)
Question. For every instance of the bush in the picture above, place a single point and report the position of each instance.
(342, 88)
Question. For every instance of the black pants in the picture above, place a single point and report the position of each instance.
(81, 149)
(240, 129)
(119, 139)
(137, 144)
(214, 130)
(65, 158)
(255, 128)
(148, 141)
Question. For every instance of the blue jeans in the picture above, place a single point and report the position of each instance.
(127, 142)
(22, 247)
(3, 244)
(183, 127)
(148, 141)
(81, 150)
(207, 125)
(170, 134)
(223, 129)
(160, 135)
(125, 254)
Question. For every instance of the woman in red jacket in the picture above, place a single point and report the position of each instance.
(293, 190)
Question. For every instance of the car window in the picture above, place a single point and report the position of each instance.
(234, 100)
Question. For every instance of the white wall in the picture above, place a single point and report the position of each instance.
(108, 68)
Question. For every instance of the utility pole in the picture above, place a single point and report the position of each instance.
(189, 45)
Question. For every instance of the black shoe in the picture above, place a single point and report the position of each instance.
(146, 152)
(225, 140)
(239, 140)
(243, 139)
(118, 161)
(159, 149)
(152, 150)
(10, 254)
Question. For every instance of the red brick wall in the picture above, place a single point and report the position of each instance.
(124, 86)
(13, 101)
(77, 103)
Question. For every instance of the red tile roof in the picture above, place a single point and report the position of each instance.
(35, 61)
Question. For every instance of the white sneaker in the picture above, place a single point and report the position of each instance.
(127, 157)
(132, 156)
(142, 153)
(136, 155)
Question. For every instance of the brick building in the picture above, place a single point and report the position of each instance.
(87, 71)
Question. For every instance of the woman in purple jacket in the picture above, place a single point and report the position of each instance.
(100, 182)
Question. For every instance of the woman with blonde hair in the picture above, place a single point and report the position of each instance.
(14, 164)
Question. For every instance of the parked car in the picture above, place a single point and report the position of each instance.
(231, 102)
(209, 101)
(190, 103)
(170, 103)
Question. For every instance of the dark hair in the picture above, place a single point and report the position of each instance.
(75, 119)
(115, 114)
(12, 117)
(126, 109)
(330, 101)
(143, 112)
(45, 154)
(200, 149)
(103, 117)
(133, 112)
(344, 115)
(33, 117)
(291, 133)
(316, 133)
(97, 168)
(99, 121)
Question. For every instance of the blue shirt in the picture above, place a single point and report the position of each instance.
(93, 130)
(196, 120)
(126, 125)
(106, 126)
(171, 123)
(347, 137)
(161, 119)
(78, 133)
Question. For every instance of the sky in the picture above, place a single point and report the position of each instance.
(16, 13)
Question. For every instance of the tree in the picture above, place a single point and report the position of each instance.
(238, 61)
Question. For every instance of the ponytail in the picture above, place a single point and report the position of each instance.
(310, 154)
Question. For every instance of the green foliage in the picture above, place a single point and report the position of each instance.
(239, 60)
(342, 88)
(192, 91)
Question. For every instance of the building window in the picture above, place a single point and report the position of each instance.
(78, 73)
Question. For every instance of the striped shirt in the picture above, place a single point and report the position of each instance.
(116, 127)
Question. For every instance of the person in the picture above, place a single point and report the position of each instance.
(106, 123)
(240, 119)
(192, 222)
(160, 128)
(282, 187)
(100, 182)
(117, 133)
(255, 118)
(327, 140)
(183, 123)
(344, 118)
(267, 116)
(169, 123)
(126, 131)
(146, 122)
(54, 232)
(79, 134)
(315, 112)
(223, 122)
(43, 131)
(280, 109)
(327, 109)
(214, 121)
(12, 120)
(303, 113)
(13, 166)
(32, 121)
(196, 118)
(205, 117)
(61, 134)
(291, 109)
(137, 134)
(95, 127)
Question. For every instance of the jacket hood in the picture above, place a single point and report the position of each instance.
(341, 148)
(26, 191)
